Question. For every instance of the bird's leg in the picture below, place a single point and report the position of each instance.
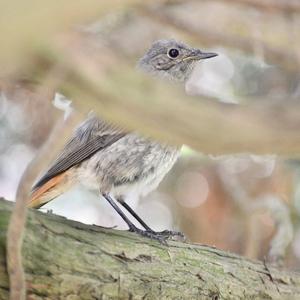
(150, 234)
(135, 215)
(165, 233)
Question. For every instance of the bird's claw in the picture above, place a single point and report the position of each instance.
(173, 235)
(161, 236)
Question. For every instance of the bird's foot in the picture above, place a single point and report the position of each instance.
(173, 235)
(150, 234)
(161, 236)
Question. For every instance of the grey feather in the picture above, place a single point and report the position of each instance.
(92, 136)
(106, 156)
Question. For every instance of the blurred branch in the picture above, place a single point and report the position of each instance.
(18, 218)
(277, 209)
(116, 92)
(280, 213)
(15, 231)
(24, 33)
(28, 26)
(281, 6)
(96, 79)
(211, 37)
(90, 262)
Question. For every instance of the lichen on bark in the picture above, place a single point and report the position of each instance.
(65, 259)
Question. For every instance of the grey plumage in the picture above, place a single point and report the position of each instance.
(158, 62)
(105, 159)
(93, 135)
(108, 160)
(131, 164)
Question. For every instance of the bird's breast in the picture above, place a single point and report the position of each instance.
(132, 164)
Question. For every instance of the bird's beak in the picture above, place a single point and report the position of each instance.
(198, 54)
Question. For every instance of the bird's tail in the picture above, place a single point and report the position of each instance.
(49, 190)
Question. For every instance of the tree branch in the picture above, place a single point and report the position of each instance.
(209, 36)
(15, 231)
(65, 259)
(286, 6)
(24, 33)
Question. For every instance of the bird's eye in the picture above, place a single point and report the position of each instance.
(173, 53)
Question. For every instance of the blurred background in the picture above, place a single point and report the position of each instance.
(242, 203)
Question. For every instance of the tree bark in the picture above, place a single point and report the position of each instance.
(68, 260)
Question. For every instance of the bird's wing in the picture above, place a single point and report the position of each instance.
(91, 136)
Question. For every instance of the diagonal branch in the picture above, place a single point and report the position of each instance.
(211, 37)
(15, 232)
(128, 98)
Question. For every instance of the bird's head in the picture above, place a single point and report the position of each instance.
(172, 59)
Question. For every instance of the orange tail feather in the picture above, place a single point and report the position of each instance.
(48, 191)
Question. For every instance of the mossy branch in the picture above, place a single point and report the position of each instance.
(64, 259)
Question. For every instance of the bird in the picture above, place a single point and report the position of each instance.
(112, 162)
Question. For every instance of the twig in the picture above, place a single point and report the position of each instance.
(209, 36)
(286, 6)
(284, 229)
(15, 230)
(277, 209)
